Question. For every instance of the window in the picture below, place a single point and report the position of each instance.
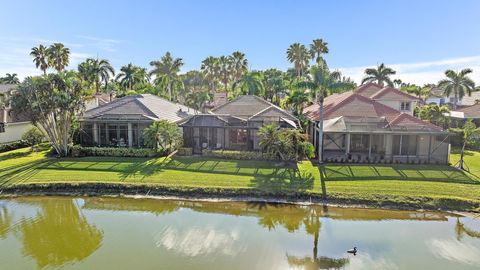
(2, 127)
(238, 136)
(405, 145)
(405, 106)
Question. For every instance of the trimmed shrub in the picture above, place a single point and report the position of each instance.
(5, 147)
(80, 151)
(185, 151)
(232, 154)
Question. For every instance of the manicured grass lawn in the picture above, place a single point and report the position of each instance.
(409, 184)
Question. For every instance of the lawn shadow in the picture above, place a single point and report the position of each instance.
(21, 173)
(290, 180)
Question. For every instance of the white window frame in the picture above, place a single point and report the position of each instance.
(405, 106)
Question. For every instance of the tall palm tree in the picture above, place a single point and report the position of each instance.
(380, 75)
(210, 68)
(58, 56)
(130, 75)
(239, 65)
(96, 71)
(166, 72)
(458, 84)
(317, 48)
(250, 84)
(298, 55)
(225, 70)
(40, 57)
(10, 78)
(274, 83)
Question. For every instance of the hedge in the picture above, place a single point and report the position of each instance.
(5, 147)
(80, 151)
(231, 154)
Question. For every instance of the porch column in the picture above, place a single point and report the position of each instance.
(118, 134)
(348, 144)
(369, 147)
(429, 148)
(224, 138)
(138, 134)
(95, 133)
(130, 135)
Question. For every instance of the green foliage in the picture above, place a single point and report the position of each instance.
(10, 78)
(166, 74)
(163, 135)
(470, 135)
(250, 84)
(52, 103)
(298, 55)
(33, 136)
(5, 147)
(435, 114)
(95, 72)
(285, 144)
(239, 155)
(380, 75)
(458, 84)
(80, 151)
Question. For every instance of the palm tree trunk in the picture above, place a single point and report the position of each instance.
(320, 131)
(460, 162)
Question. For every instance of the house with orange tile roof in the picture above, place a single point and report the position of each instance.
(376, 124)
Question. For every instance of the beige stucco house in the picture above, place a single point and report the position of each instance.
(376, 124)
(12, 125)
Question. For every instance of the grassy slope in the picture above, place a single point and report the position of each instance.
(414, 185)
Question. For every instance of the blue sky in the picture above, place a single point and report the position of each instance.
(420, 39)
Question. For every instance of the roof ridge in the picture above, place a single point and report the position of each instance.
(402, 116)
(382, 92)
(114, 104)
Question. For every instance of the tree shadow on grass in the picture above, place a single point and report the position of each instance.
(21, 173)
(289, 181)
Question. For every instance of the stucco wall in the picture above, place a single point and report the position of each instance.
(14, 131)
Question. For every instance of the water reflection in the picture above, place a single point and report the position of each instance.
(454, 250)
(58, 233)
(6, 217)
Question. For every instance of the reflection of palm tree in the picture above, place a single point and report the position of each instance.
(59, 234)
(5, 222)
(312, 226)
(460, 229)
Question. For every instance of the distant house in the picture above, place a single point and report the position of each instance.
(12, 124)
(375, 124)
(121, 122)
(234, 125)
(438, 97)
(469, 112)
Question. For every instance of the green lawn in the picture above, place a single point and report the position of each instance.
(414, 185)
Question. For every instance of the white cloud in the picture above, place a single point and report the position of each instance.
(422, 72)
(455, 251)
(106, 44)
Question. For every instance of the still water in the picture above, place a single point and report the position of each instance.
(115, 233)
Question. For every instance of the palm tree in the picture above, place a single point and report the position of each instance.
(225, 70)
(296, 99)
(458, 84)
(58, 56)
(96, 71)
(274, 83)
(380, 75)
(317, 48)
(130, 75)
(250, 84)
(298, 55)
(10, 78)
(40, 57)
(239, 65)
(211, 69)
(166, 72)
(196, 100)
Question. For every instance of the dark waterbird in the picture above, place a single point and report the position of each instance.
(353, 251)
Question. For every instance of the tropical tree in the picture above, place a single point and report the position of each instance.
(274, 84)
(58, 56)
(130, 75)
(211, 71)
(10, 78)
(32, 137)
(317, 48)
(420, 91)
(239, 65)
(381, 75)
(435, 114)
(250, 84)
(96, 72)
(40, 57)
(458, 84)
(272, 140)
(163, 135)
(469, 133)
(52, 103)
(296, 100)
(225, 70)
(197, 99)
(298, 55)
(166, 73)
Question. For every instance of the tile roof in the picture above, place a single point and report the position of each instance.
(249, 106)
(472, 99)
(4, 88)
(390, 93)
(368, 89)
(470, 111)
(146, 106)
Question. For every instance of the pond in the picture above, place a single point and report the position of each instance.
(121, 233)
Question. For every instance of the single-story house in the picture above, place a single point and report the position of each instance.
(359, 126)
(120, 123)
(12, 124)
(234, 125)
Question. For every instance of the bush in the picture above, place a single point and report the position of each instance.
(33, 136)
(244, 155)
(80, 151)
(185, 151)
(5, 147)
